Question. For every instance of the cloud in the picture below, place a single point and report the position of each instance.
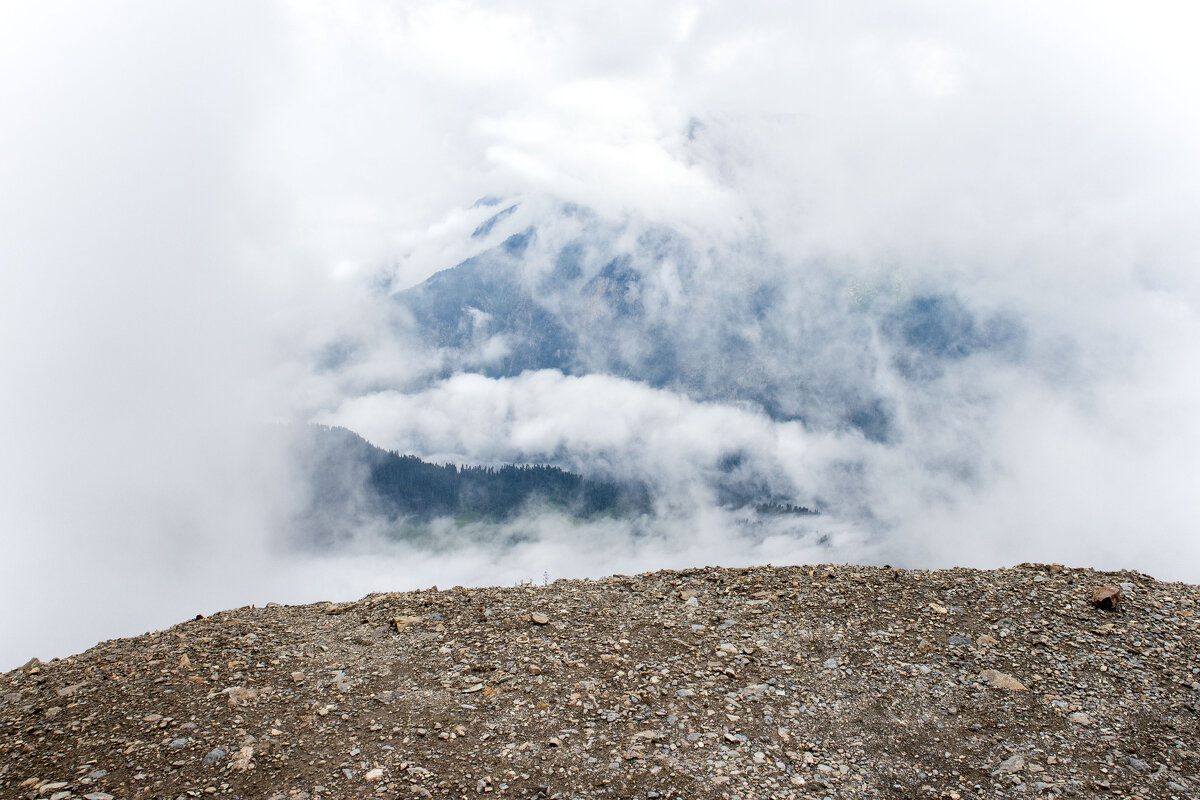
(207, 207)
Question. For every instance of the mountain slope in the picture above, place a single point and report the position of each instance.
(352, 481)
(574, 292)
(782, 682)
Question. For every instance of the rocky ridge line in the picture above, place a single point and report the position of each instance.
(771, 682)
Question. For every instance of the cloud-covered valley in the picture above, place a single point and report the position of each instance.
(929, 269)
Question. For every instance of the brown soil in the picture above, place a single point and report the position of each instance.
(780, 682)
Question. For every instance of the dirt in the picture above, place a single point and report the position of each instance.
(771, 682)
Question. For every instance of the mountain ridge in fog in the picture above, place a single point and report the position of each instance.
(571, 291)
(351, 483)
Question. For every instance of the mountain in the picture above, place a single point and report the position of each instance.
(835, 385)
(351, 482)
(571, 291)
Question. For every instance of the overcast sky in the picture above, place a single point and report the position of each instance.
(197, 198)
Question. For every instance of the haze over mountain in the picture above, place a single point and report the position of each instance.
(353, 485)
(929, 270)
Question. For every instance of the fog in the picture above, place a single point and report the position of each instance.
(212, 214)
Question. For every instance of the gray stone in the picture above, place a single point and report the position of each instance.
(178, 744)
(214, 755)
(1011, 764)
(1001, 680)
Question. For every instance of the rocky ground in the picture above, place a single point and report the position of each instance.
(779, 682)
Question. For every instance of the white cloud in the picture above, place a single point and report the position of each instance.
(185, 188)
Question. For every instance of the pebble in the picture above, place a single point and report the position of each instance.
(243, 761)
(1011, 764)
(1002, 680)
(540, 618)
(213, 756)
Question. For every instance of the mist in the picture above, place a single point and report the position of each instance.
(973, 228)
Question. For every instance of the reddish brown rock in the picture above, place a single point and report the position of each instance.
(1107, 598)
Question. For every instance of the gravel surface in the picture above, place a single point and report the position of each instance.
(771, 682)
